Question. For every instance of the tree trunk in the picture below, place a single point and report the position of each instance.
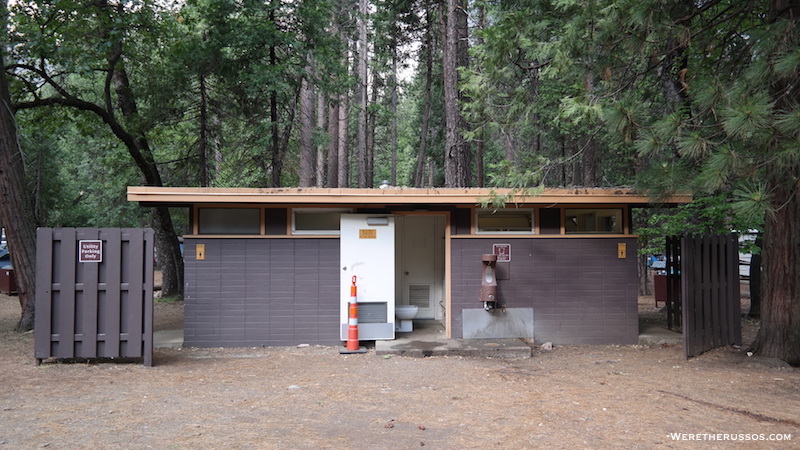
(393, 175)
(217, 149)
(672, 77)
(642, 275)
(307, 149)
(333, 145)
(779, 334)
(136, 143)
(16, 208)
(563, 142)
(590, 148)
(535, 82)
(283, 145)
(344, 173)
(169, 252)
(590, 163)
(361, 93)
(203, 144)
(462, 61)
(509, 143)
(456, 157)
(482, 120)
(576, 168)
(320, 146)
(372, 120)
(277, 158)
(342, 151)
(419, 173)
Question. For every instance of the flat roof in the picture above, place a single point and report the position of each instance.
(175, 196)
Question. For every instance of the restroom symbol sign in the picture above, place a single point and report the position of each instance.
(503, 252)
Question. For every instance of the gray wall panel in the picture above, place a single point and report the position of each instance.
(579, 290)
(254, 292)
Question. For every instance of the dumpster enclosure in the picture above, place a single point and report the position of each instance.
(94, 293)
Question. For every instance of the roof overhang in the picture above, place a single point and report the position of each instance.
(185, 196)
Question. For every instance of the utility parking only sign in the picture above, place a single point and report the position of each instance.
(90, 251)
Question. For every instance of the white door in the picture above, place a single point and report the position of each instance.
(367, 249)
(421, 263)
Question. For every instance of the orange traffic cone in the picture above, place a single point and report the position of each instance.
(352, 323)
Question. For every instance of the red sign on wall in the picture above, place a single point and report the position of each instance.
(90, 251)
(503, 252)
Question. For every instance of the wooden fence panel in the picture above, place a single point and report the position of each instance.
(94, 308)
(711, 312)
(86, 291)
(113, 299)
(44, 283)
(64, 285)
(673, 268)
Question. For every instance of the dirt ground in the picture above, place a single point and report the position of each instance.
(313, 397)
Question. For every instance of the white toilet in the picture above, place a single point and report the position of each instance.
(405, 315)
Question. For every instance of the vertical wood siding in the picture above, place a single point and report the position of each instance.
(711, 311)
(94, 309)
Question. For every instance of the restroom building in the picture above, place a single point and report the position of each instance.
(274, 267)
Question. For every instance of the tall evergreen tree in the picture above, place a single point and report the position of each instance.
(16, 206)
(728, 123)
(457, 158)
(68, 42)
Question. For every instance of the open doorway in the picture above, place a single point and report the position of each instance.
(420, 264)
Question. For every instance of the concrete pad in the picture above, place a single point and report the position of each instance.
(494, 348)
(654, 335)
(498, 323)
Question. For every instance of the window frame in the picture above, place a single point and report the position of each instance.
(316, 210)
(619, 227)
(531, 212)
(248, 232)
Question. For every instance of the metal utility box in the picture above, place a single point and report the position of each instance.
(94, 293)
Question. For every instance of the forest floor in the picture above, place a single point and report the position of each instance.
(313, 397)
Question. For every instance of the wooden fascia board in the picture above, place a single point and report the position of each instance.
(394, 196)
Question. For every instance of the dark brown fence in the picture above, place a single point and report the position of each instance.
(673, 282)
(711, 310)
(94, 293)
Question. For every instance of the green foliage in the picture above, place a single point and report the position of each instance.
(499, 200)
(747, 114)
(700, 91)
(79, 175)
(545, 78)
(170, 299)
(705, 215)
(166, 53)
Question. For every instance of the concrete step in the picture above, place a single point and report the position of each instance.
(492, 348)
